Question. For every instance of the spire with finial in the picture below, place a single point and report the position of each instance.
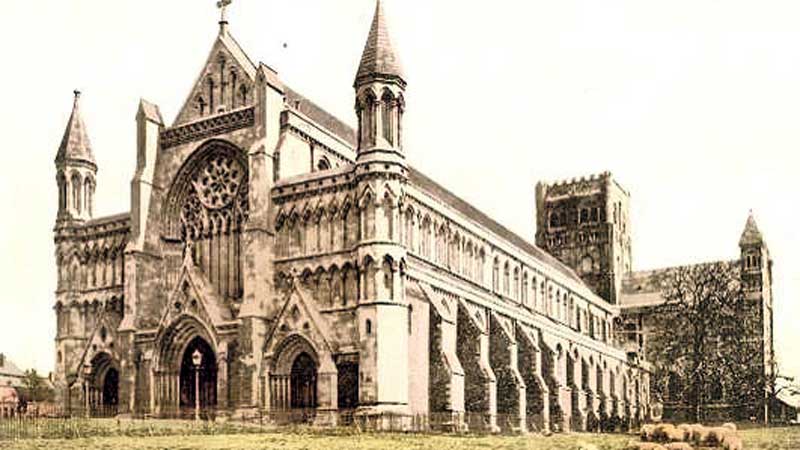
(76, 170)
(751, 235)
(223, 14)
(75, 145)
(379, 59)
(380, 89)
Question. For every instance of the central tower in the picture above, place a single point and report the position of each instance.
(585, 223)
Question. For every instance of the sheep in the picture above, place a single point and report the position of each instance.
(687, 431)
(717, 435)
(668, 433)
(646, 432)
(678, 446)
(729, 425)
(732, 443)
(699, 433)
(644, 446)
(663, 432)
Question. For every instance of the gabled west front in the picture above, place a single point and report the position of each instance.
(276, 260)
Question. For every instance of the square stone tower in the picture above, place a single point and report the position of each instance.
(585, 223)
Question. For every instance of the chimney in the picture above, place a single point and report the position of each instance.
(2, 360)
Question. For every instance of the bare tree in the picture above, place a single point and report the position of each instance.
(702, 348)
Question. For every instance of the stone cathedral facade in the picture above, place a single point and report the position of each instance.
(276, 260)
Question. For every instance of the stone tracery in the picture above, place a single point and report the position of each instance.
(207, 207)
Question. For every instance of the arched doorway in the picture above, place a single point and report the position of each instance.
(103, 390)
(198, 382)
(303, 383)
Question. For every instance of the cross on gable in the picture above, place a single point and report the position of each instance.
(223, 9)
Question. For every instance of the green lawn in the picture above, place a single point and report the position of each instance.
(761, 439)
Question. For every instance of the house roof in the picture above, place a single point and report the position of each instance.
(8, 368)
(379, 57)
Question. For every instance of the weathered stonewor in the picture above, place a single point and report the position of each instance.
(276, 261)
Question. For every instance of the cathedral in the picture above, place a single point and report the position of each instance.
(276, 261)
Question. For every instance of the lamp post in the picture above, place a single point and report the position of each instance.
(197, 359)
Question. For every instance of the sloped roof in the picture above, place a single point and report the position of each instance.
(8, 368)
(751, 235)
(321, 117)
(379, 57)
(75, 144)
(644, 288)
(455, 202)
(789, 399)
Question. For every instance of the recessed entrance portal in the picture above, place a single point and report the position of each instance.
(304, 382)
(103, 389)
(198, 377)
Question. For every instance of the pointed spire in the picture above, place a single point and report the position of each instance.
(75, 144)
(751, 234)
(379, 58)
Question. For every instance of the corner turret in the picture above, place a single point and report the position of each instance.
(380, 87)
(76, 171)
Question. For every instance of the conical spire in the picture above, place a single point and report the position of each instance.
(751, 234)
(75, 144)
(379, 58)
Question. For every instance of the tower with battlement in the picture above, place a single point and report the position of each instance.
(585, 223)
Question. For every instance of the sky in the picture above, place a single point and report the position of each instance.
(694, 106)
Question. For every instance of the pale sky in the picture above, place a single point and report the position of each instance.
(694, 106)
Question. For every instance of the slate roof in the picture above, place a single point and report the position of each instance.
(455, 202)
(75, 144)
(321, 117)
(643, 288)
(379, 57)
(8, 368)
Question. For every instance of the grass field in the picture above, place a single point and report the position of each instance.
(757, 439)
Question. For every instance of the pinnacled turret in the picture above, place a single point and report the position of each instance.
(76, 170)
(754, 256)
(380, 87)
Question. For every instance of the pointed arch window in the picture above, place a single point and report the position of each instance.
(496, 276)
(62, 192)
(387, 116)
(206, 210)
(89, 196)
(323, 164)
(506, 279)
(524, 298)
(76, 193)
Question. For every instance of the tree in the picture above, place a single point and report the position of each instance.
(702, 346)
(34, 387)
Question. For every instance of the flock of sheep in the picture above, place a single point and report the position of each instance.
(666, 436)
